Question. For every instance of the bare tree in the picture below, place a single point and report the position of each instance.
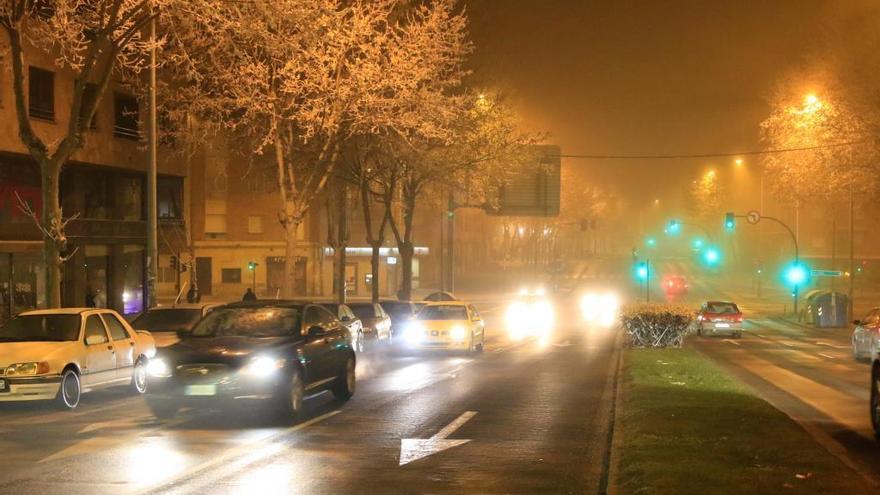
(95, 40)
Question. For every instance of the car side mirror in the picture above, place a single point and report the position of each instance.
(345, 318)
(316, 331)
(857, 322)
(96, 340)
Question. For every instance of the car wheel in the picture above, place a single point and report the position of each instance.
(70, 390)
(737, 335)
(875, 400)
(359, 342)
(139, 378)
(290, 398)
(343, 387)
(163, 409)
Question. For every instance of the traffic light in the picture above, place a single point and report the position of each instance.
(711, 256)
(642, 271)
(673, 227)
(697, 244)
(252, 265)
(797, 274)
(174, 263)
(729, 221)
(651, 242)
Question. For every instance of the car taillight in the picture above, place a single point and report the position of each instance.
(738, 318)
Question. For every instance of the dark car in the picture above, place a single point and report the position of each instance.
(875, 395)
(351, 321)
(400, 312)
(275, 351)
(377, 323)
(440, 296)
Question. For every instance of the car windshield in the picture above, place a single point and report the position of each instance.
(41, 328)
(363, 310)
(249, 322)
(722, 308)
(167, 320)
(443, 312)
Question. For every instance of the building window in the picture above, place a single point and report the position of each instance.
(41, 94)
(215, 216)
(126, 116)
(90, 93)
(169, 191)
(255, 224)
(231, 275)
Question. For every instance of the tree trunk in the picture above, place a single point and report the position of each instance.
(406, 249)
(341, 244)
(288, 288)
(374, 267)
(50, 172)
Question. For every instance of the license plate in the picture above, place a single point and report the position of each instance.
(200, 390)
(722, 325)
(4, 385)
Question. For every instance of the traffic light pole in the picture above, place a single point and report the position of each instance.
(647, 280)
(797, 255)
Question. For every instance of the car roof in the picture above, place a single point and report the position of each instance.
(185, 306)
(268, 303)
(428, 304)
(721, 302)
(61, 311)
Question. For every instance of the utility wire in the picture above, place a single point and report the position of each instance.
(710, 155)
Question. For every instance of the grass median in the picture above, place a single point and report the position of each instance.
(685, 426)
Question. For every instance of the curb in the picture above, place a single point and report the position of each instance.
(610, 485)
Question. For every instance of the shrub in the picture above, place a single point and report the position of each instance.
(656, 325)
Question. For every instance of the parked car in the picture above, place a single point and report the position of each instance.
(377, 323)
(448, 325)
(351, 321)
(866, 335)
(270, 351)
(440, 296)
(59, 353)
(400, 313)
(166, 323)
(719, 317)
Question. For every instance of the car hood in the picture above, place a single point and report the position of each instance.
(26, 352)
(224, 350)
(443, 325)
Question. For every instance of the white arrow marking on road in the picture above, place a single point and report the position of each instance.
(413, 449)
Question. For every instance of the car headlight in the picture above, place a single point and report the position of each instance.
(262, 366)
(27, 369)
(458, 333)
(158, 368)
(414, 333)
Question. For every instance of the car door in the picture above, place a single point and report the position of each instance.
(383, 322)
(476, 323)
(123, 344)
(100, 361)
(318, 348)
(869, 329)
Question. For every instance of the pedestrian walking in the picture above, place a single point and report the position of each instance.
(249, 295)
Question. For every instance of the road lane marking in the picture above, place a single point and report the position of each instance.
(832, 345)
(225, 457)
(731, 341)
(826, 356)
(413, 449)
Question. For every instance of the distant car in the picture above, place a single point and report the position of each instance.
(719, 317)
(270, 351)
(530, 314)
(377, 323)
(440, 296)
(57, 354)
(448, 325)
(351, 321)
(166, 323)
(674, 285)
(866, 336)
(400, 312)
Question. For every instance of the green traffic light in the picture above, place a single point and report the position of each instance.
(651, 242)
(711, 256)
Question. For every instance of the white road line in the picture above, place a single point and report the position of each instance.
(785, 343)
(826, 344)
(826, 356)
(239, 450)
(731, 341)
(456, 424)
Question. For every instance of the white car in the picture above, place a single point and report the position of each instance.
(58, 354)
(866, 336)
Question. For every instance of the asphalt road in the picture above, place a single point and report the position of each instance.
(515, 419)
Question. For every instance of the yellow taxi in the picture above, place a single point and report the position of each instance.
(446, 325)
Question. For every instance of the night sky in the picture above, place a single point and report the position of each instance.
(651, 77)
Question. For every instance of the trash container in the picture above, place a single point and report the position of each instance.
(825, 309)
